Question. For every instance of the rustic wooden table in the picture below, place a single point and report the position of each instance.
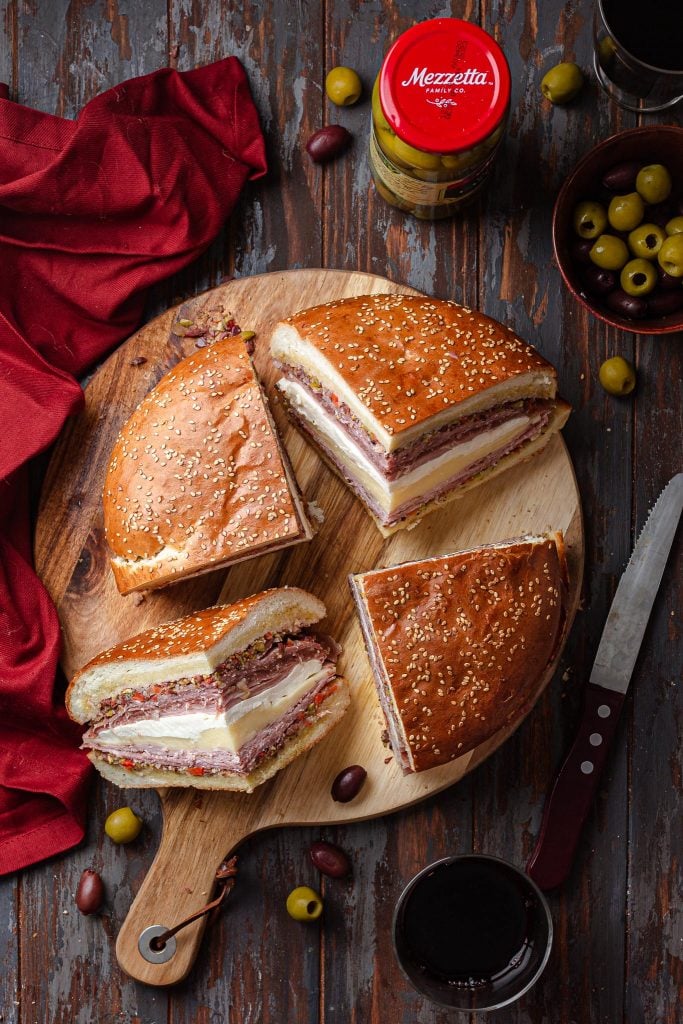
(618, 953)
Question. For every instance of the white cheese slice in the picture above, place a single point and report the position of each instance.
(229, 730)
(391, 494)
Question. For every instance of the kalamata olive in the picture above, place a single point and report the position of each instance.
(621, 177)
(660, 214)
(665, 302)
(666, 281)
(599, 281)
(348, 783)
(581, 251)
(327, 143)
(329, 859)
(90, 892)
(630, 306)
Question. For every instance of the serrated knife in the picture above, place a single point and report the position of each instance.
(569, 802)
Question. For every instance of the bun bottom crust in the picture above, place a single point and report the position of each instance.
(522, 454)
(161, 778)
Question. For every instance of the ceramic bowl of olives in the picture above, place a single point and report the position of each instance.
(618, 230)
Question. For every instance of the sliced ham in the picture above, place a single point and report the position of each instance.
(429, 446)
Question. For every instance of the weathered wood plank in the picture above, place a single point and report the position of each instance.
(9, 951)
(521, 285)
(8, 50)
(655, 895)
(69, 52)
(242, 975)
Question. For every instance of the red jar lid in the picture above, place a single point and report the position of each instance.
(444, 85)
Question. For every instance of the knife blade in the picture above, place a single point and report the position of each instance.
(577, 781)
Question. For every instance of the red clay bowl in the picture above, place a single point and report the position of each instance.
(662, 144)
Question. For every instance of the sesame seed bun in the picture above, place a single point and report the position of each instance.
(193, 645)
(406, 364)
(197, 479)
(459, 644)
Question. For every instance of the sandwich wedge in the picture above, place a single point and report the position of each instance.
(197, 479)
(460, 644)
(222, 699)
(413, 401)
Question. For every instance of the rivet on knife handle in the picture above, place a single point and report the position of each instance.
(570, 800)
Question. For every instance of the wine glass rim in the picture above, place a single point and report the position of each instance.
(525, 879)
(643, 63)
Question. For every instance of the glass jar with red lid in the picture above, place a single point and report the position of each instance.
(439, 109)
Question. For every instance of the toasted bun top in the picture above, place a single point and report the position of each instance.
(464, 639)
(407, 357)
(193, 645)
(196, 475)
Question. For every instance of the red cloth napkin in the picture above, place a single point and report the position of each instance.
(92, 212)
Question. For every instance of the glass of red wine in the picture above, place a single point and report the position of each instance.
(472, 932)
(639, 52)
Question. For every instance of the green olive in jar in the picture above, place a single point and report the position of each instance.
(626, 212)
(609, 252)
(415, 158)
(380, 120)
(590, 219)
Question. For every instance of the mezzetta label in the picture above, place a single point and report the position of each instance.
(425, 78)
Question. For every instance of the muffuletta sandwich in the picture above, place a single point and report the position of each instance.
(460, 644)
(222, 699)
(413, 400)
(197, 478)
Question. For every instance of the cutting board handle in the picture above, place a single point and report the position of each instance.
(179, 883)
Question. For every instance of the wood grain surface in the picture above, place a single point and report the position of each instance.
(618, 922)
(71, 558)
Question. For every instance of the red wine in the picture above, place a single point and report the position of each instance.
(472, 923)
(653, 33)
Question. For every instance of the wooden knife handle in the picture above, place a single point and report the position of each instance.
(568, 805)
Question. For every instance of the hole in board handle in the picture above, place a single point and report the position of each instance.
(147, 945)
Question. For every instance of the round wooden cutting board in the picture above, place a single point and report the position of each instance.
(200, 828)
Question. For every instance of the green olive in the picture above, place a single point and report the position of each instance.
(412, 157)
(123, 825)
(562, 83)
(674, 226)
(454, 161)
(343, 86)
(646, 241)
(606, 50)
(617, 376)
(590, 219)
(654, 183)
(670, 256)
(626, 212)
(609, 252)
(377, 113)
(304, 904)
(638, 277)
